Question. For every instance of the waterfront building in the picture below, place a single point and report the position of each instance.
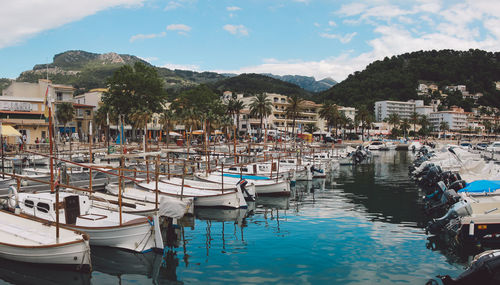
(23, 106)
(383, 109)
(278, 119)
(456, 119)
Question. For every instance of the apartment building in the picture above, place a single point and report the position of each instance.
(278, 120)
(456, 119)
(383, 109)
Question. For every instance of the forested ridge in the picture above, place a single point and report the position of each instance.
(397, 78)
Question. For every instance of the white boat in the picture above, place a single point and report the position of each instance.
(104, 227)
(388, 146)
(202, 197)
(248, 188)
(176, 205)
(263, 185)
(28, 240)
(376, 145)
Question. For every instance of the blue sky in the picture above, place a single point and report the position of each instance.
(321, 38)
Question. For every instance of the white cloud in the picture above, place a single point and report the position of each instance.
(233, 8)
(352, 9)
(236, 29)
(172, 5)
(332, 24)
(20, 20)
(317, 25)
(146, 36)
(343, 39)
(180, 28)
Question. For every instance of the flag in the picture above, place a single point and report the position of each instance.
(46, 103)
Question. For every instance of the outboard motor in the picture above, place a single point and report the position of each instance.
(460, 209)
(242, 183)
(457, 185)
(431, 178)
(484, 269)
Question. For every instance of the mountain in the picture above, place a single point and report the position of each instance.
(86, 70)
(308, 83)
(396, 78)
(258, 83)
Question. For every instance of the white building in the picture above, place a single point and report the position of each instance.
(456, 119)
(384, 109)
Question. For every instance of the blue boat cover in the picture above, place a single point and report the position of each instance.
(250, 177)
(481, 186)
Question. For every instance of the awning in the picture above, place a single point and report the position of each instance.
(9, 131)
(174, 134)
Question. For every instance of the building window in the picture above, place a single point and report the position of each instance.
(59, 96)
(275, 99)
(244, 126)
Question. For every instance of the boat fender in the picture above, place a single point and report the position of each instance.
(13, 203)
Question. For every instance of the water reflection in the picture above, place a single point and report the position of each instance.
(357, 226)
(382, 188)
(23, 273)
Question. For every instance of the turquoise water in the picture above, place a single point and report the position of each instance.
(361, 225)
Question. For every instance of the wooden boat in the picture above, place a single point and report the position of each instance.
(105, 228)
(29, 240)
(248, 188)
(263, 185)
(202, 197)
(229, 184)
(176, 208)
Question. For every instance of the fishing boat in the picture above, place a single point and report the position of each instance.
(29, 240)
(105, 227)
(202, 197)
(263, 185)
(181, 206)
(247, 187)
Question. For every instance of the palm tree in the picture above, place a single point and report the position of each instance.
(234, 107)
(65, 113)
(100, 118)
(343, 121)
(310, 128)
(365, 118)
(487, 126)
(167, 120)
(261, 107)
(330, 112)
(140, 119)
(424, 123)
(443, 126)
(393, 119)
(404, 126)
(293, 109)
(414, 118)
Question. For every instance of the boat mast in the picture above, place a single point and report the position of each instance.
(51, 133)
(1, 139)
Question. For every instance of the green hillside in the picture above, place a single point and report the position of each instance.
(396, 78)
(257, 83)
(86, 70)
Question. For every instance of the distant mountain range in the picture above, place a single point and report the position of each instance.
(86, 70)
(308, 83)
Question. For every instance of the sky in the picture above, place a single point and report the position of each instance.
(320, 38)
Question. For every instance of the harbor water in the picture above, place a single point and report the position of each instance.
(360, 225)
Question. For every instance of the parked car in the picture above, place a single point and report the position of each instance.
(466, 145)
(494, 147)
(481, 146)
